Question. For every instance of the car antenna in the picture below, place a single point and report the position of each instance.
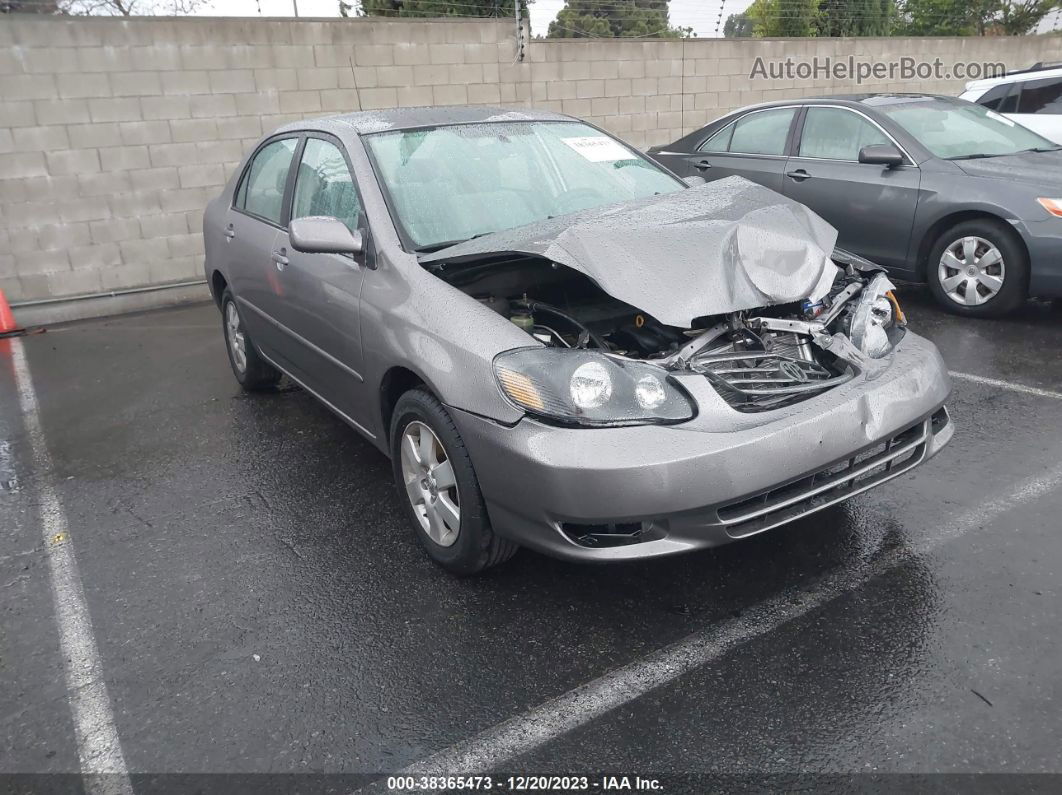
(354, 77)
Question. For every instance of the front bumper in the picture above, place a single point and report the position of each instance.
(657, 490)
(1044, 241)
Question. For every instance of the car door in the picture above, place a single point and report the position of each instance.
(252, 225)
(323, 291)
(871, 206)
(753, 146)
(1039, 107)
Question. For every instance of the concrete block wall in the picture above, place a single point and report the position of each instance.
(114, 133)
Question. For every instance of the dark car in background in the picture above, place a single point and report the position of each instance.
(934, 188)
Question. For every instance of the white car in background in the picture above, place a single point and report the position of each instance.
(1032, 97)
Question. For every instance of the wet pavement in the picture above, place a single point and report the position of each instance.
(259, 605)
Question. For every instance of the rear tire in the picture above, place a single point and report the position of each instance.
(439, 489)
(979, 268)
(252, 371)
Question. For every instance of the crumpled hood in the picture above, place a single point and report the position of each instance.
(722, 247)
(1034, 168)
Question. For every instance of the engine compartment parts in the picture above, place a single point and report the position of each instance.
(607, 362)
(874, 316)
(759, 381)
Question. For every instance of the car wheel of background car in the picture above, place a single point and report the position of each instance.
(979, 268)
(439, 489)
(250, 369)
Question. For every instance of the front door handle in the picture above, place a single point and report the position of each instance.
(230, 232)
(280, 259)
(702, 165)
(799, 175)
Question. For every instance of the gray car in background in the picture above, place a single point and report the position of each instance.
(558, 342)
(936, 189)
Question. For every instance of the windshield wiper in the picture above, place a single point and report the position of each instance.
(433, 247)
(977, 156)
(1043, 149)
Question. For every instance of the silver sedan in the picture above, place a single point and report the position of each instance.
(559, 343)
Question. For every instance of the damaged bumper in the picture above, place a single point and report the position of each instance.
(634, 492)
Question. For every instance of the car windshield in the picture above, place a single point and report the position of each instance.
(963, 131)
(450, 184)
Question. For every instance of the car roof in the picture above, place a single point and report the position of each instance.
(851, 100)
(1033, 73)
(365, 122)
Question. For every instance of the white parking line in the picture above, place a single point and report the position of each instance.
(1028, 390)
(524, 733)
(98, 748)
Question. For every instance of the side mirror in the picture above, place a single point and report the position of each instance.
(881, 155)
(320, 234)
(694, 181)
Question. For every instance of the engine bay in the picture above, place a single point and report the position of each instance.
(757, 359)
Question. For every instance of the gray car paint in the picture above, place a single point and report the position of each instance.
(363, 324)
(895, 215)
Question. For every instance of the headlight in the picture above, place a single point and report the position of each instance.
(588, 388)
(877, 320)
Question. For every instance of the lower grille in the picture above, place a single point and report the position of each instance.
(867, 468)
(757, 381)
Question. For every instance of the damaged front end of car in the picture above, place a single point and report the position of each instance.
(729, 281)
(773, 358)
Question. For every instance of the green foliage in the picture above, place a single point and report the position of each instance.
(777, 18)
(626, 18)
(856, 17)
(737, 26)
(973, 18)
(436, 8)
(1020, 18)
(935, 18)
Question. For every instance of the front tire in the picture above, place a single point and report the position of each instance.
(979, 269)
(439, 489)
(252, 371)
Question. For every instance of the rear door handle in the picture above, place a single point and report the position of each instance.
(702, 165)
(230, 232)
(280, 259)
(799, 175)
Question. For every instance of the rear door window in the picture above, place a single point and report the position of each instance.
(1002, 98)
(763, 132)
(720, 141)
(1041, 96)
(262, 191)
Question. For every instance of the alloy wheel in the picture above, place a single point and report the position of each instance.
(430, 484)
(236, 338)
(971, 271)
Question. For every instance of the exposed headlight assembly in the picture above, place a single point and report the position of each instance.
(876, 322)
(580, 387)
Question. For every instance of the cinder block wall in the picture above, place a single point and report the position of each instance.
(114, 133)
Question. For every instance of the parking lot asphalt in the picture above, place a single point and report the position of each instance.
(259, 605)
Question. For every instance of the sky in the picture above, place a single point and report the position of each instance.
(701, 15)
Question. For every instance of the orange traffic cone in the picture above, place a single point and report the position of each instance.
(8, 326)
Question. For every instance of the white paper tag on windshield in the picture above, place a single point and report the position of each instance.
(599, 148)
